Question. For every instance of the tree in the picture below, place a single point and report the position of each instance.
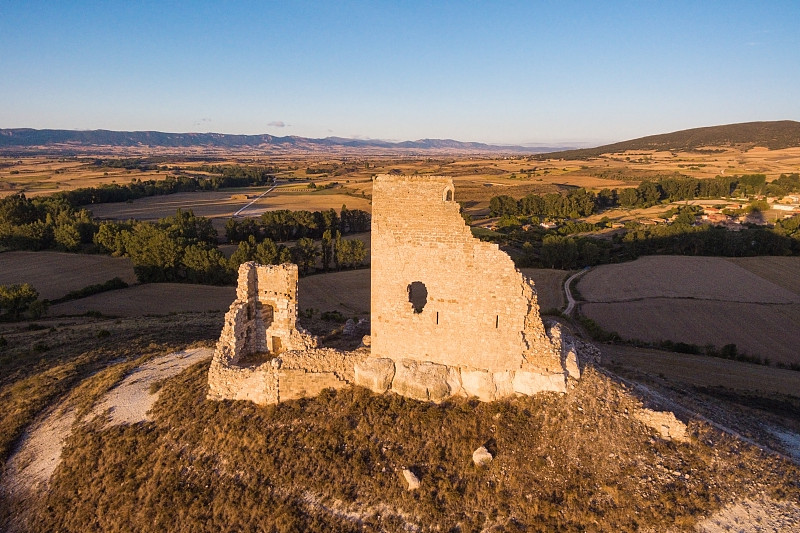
(244, 253)
(304, 255)
(16, 299)
(266, 253)
(503, 205)
(327, 249)
(205, 265)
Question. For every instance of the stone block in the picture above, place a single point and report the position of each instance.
(421, 381)
(375, 373)
(571, 365)
(479, 383)
(530, 383)
(504, 383)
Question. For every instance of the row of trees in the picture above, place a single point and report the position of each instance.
(228, 176)
(333, 253)
(580, 203)
(184, 248)
(539, 248)
(284, 225)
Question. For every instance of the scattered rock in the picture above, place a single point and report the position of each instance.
(366, 340)
(481, 456)
(375, 374)
(669, 427)
(411, 479)
(571, 364)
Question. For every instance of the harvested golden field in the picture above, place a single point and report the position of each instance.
(151, 299)
(764, 330)
(347, 292)
(782, 271)
(695, 300)
(698, 278)
(549, 285)
(702, 371)
(54, 274)
(220, 204)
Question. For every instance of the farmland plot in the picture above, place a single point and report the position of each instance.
(698, 300)
(54, 274)
(549, 286)
(223, 204)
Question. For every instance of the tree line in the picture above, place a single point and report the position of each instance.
(284, 225)
(228, 176)
(581, 203)
(550, 249)
(183, 247)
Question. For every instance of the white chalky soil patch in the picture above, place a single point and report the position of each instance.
(130, 401)
(31, 466)
(764, 515)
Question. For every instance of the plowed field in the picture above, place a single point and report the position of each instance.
(700, 300)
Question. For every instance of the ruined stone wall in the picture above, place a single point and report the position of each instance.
(479, 310)
(260, 325)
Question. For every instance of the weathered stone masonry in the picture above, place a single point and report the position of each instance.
(261, 355)
(450, 315)
(449, 309)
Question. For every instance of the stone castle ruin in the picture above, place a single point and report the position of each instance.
(450, 315)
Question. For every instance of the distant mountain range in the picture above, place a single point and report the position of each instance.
(773, 135)
(66, 139)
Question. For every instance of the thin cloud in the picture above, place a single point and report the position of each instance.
(277, 124)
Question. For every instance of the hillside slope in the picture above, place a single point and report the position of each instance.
(773, 135)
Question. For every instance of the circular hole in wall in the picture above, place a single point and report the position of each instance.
(417, 295)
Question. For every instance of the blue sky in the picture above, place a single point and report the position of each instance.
(497, 72)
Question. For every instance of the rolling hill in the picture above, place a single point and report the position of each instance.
(773, 135)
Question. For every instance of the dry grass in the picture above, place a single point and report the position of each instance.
(55, 274)
(332, 463)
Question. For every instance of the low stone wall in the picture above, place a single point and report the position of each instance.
(292, 375)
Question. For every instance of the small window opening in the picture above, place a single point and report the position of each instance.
(448, 197)
(417, 295)
(497, 321)
(437, 318)
(277, 347)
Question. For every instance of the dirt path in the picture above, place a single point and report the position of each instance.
(30, 467)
